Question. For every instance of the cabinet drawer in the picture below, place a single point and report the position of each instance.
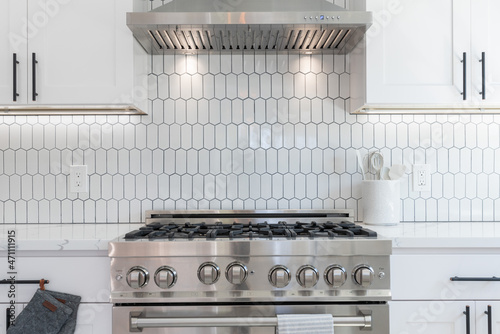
(427, 277)
(87, 277)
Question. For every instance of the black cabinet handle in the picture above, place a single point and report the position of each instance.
(7, 320)
(467, 319)
(34, 62)
(475, 279)
(14, 68)
(8, 281)
(464, 67)
(488, 312)
(483, 71)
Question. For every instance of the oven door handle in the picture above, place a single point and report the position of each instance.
(137, 323)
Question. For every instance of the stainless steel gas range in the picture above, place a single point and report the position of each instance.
(224, 272)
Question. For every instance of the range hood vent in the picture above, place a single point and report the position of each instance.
(295, 26)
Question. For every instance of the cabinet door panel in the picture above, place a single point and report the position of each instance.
(94, 319)
(83, 48)
(430, 317)
(414, 51)
(13, 40)
(482, 318)
(485, 30)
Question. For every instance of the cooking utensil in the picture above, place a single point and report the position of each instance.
(397, 171)
(376, 163)
(384, 173)
(360, 164)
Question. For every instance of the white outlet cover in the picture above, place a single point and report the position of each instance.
(418, 170)
(78, 179)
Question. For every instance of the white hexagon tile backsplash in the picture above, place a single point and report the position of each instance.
(243, 132)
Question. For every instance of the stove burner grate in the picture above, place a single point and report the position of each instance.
(159, 231)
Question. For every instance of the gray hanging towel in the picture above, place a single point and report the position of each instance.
(48, 312)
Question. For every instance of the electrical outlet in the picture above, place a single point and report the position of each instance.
(78, 179)
(421, 177)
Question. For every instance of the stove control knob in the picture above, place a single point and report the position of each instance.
(307, 276)
(165, 277)
(279, 276)
(335, 276)
(208, 273)
(137, 277)
(236, 273)
(363, 275)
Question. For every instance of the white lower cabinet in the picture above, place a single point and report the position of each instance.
(94, 319)
(482, 317)
(444, 317)
(3, 312)
(69, 274)
(426, 300)
(91, 318)
(430, 317)
(84, 276)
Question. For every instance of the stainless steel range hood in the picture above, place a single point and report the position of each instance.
(295, 26)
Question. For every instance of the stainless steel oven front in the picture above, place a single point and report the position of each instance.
(246, 268)
(255, 318)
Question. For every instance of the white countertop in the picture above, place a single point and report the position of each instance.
(95, 237)
(442, 235)
(59, 237)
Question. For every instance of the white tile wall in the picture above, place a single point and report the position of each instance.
(242, 132)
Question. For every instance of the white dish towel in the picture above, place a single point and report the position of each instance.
(305, 323)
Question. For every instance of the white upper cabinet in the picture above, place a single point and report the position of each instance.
(77, 52)
(485, 32)
(413, 56)
(413, 53)
(13, 45)
(80, 51)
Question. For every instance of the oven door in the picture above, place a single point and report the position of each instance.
(248, 319)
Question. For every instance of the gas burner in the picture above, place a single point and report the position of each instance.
(333, 230)
(250, 230)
